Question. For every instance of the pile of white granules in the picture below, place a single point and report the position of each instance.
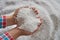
(27, 19)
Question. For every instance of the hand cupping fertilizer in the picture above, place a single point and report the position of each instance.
(27, 19)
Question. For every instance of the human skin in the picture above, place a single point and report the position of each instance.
(11, 19)
(15, 32)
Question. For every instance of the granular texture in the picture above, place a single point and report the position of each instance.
(27, 19)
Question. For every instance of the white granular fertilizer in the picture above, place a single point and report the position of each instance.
(49, 12)
(27, 19)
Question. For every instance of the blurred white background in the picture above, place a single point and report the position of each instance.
(53, 8)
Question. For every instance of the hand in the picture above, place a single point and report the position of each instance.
(24, 32)
(16, 32)
(11, 19)
(15, 15)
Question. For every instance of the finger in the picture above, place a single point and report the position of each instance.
(26, 32)
(38, 25)
(16, 12)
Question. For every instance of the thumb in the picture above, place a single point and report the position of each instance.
(16, 12)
